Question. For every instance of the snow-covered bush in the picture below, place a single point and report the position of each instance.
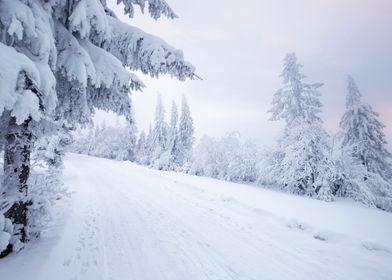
(46, 184)
(113, 142)
(229, 159)
(352, 180)
(204, 159)
(6, 231)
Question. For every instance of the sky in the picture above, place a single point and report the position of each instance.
(238, 50)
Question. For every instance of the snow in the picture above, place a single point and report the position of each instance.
(150, 54)
(155, 7)
(12, 64)
(4, 234)
(124, 221)
(18, 17)
(88, 16)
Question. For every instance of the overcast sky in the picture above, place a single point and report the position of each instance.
(238, 50)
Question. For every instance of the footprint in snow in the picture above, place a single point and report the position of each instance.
(373, 246)
(294, 224)
(324, 235)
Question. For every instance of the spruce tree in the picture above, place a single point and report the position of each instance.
(303, 166)
(185, 134)
(364, 159)
(159, 138)
(363, 134)
(149, 146)
(171, 155)
(141, 148)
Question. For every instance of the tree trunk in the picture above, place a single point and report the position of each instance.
(18, 144)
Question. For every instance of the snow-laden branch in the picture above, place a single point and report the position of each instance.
(141, 51)
(156, 8)
(21, 102)
(88, 64)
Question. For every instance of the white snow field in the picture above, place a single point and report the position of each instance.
(126, 222)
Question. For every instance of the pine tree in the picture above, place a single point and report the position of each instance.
(296, 100)
(131, 137)
(149, 145)
(159, 138)
(171, 155)
(303, 165)
(61, 60)
(185, 134)
(364, 158)
(141, 149)
(363, 134)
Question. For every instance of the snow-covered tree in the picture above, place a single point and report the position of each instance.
(61, 60)
(306, 167)
(205, 158)
(363, 134)
(296, 100)
(363, 158)
(228, 158)
(149, 145)
(45, 183)
(131, 136)
(170, 157)
(159, 138)
(243, 167)
(113, 142)
(185, 135)
(141, 149)
(303, 165)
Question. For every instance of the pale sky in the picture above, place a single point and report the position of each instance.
(238, 50)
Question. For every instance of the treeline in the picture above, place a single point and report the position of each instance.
(166, 146)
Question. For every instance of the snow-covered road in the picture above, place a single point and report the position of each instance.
(128, 222)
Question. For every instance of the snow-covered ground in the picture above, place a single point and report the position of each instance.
(126, 222)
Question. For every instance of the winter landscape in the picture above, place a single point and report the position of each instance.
(153, 139)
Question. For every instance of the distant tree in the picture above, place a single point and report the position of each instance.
(141, 149)
(364, 158)
(159, 138)
(296, 100)
(113, 142)
(363, 134)
(149, 145)
(185, 135)
(204, 162)
(228, 158)
(241, 158)
(303, 165)
(171, 154)
(131, 136)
